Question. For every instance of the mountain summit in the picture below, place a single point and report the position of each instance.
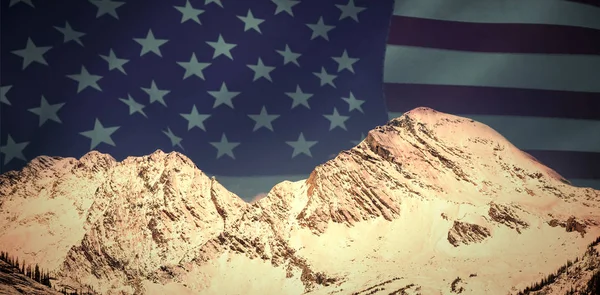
(429, 203)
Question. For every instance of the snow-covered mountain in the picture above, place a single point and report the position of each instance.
(429, 203)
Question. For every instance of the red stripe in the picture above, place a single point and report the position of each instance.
(471, 100)
(482, 37)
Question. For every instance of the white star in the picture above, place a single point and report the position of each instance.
(134, 106)
(13, 2)
(218, 2)
(107, 7)
(114, 62)
(350, 10)
(336, 120)
(193, 67)
(224, 147)
(32, 53)
(150, 44)
(84, 80)
(47, 111)
(261, 71)
(222, 48)
(285, 5)
(353, 103)
(263, 119)
(100, 134)
(250, 22)
(175, 140)
(301, 146)
(189, 12)
(156, 94)
(289, 56)
(70, 34)
(345, 62)
(299, 97)
(3, 91)
(320, 29)
(223, 96)
(13, 150)
(194, 119)
(356, 142)
(325, 78)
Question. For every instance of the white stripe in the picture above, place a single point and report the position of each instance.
(536, 133)
(409, 64)
(551, 12)
(249, 187)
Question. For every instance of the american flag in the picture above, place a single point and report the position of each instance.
(256, 92)
(529, 69)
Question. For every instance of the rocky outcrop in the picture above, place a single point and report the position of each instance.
(456, 286)
(570, 225)
(507, 216)
(466, 233)
(276, 251)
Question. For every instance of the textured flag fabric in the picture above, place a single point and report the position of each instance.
(528, 69)
(260, 89)
(256, 92)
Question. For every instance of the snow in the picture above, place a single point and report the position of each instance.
(392, 211)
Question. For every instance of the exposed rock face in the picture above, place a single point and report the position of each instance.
(125, 221)
(153, 210)
(424, 199)
(571, 224)
(506, 215)
(466, 233)
(44, 206)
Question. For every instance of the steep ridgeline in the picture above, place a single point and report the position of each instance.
(147, 215)
(99, 223)
(44, 206)
(429, 203)
(424, 200)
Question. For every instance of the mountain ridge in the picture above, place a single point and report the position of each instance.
(449, 185)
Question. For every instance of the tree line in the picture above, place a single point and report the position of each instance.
(38, 274)
(592, 286)
(35, 273)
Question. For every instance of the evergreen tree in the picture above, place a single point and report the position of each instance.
(36, 273)
(47, 282)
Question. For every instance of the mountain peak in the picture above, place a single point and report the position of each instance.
(423, 112)
(423, 199)
(423, 154)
